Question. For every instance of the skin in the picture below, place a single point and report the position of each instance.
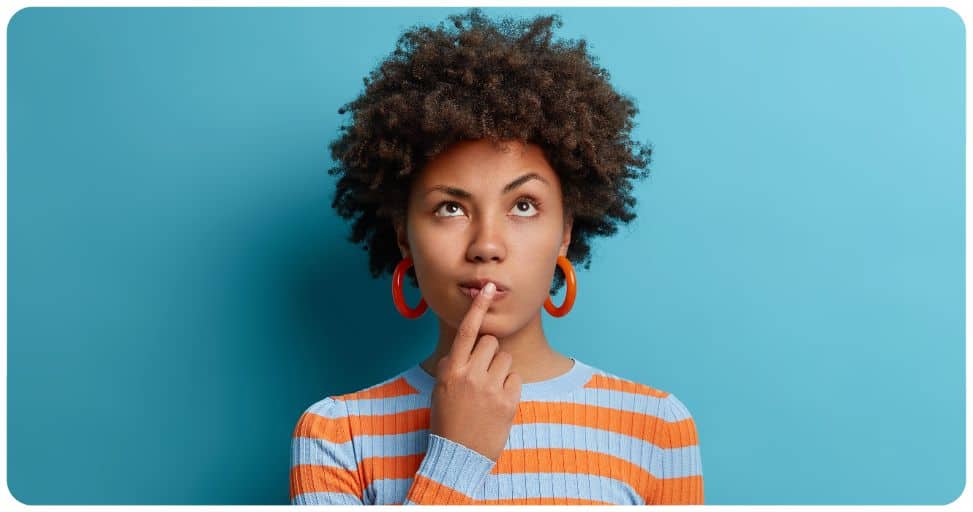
(490, 234)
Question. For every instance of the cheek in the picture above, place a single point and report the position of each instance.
(436, 257)
(537, 288)
(435, 260)
(537, 261)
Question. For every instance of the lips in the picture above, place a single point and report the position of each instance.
(473, 292)
(481, 282)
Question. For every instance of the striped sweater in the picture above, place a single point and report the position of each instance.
(583, 437)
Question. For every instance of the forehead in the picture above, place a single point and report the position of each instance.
(481, 163)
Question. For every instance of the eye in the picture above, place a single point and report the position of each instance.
(526, 201)
(447, 203)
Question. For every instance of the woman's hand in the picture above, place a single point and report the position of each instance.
(476, 396)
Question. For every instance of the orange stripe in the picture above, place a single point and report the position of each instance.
(425, 491)
(634, 424)
(390, 424)
(381, 468)
(687, 490)
(598, 381)
(333, 430)
(397, 387)
(564, 460)
(569, 460)
(318, 478)
(401, 387)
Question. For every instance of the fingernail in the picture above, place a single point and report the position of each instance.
(489, 289)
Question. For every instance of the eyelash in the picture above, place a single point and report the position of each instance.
(534, 202)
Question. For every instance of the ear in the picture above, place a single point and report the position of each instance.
(566, 239)
(402, 238)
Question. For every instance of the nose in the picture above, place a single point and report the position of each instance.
(488, 243)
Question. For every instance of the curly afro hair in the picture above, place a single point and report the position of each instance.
(498, 80)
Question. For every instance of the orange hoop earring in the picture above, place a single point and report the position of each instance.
(399, 298)
(572, 282)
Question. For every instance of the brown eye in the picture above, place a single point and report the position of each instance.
(447, 204)
(524, 205)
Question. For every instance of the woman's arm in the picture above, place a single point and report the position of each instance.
(324, 467)
(677, 458)
(448, 475)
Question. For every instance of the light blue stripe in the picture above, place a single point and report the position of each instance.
(677, 409)
(308, 450)
(392, 445)
(560, 485)
(621, 400)
(388, 488)
(535, 485)
(677, 462)
(328, 408)
(326, 498)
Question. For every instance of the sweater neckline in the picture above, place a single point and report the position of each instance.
(579, 374)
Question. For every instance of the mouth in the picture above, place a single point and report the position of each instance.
(472, 292)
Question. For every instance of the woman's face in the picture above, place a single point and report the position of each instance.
(479, 211)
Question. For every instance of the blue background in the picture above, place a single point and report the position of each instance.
(180, 289)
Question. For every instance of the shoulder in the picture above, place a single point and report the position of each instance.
(650, 399)
(325, 419)
(662, 418)
(676, 410)
(655, 403)
(677, 433)
(333, 411)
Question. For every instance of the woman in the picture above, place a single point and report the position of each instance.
(479, 161)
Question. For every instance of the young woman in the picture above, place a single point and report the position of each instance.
(479, 163)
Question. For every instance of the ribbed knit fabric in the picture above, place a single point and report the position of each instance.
(583, 437)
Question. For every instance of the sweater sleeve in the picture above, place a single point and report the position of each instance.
(448, 475)
(324, 466)
(678, 457)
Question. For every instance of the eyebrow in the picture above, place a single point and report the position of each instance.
(458, 192)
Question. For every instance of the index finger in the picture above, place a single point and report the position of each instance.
(470, 326)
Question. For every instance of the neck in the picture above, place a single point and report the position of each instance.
(533, 358)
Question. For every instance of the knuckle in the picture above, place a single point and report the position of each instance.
(514, 379)
(467, 377)
(452, 373)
